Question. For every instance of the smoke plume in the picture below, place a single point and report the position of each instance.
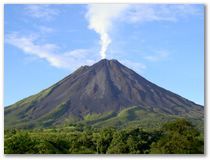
(100, 18)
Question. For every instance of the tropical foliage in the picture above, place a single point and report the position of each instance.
(179, 137)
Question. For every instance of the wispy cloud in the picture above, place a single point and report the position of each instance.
(41, 11)
(158, 56)
(102, 17)
(45, 29)
(49, 52)
(78, 54)
(164, 12)
(136, 66)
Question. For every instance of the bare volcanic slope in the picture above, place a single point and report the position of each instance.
(105, 88)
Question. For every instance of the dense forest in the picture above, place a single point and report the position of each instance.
(176, 137)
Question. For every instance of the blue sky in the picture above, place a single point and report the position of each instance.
(45, 43)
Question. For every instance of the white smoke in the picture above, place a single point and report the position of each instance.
(100, 18)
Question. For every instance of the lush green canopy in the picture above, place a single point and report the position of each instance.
(177, 137)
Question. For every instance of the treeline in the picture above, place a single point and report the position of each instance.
(177, 137)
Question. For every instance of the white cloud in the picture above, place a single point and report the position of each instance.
(101, 17)
(49, 52)
(158, 56)
(41, 11)
(68, 60)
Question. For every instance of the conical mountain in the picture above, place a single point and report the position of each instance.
(98, 93)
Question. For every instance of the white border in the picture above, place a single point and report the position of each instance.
(101, 157)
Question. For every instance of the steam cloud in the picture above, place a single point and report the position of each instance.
(100, 18)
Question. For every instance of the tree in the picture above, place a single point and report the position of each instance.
(118, 144)
(180, 137)
(102, 139)
(139, 141)
(20, 143)
(132, 143)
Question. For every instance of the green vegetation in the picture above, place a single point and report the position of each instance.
(179, 137)
(20, 111)
(137, 117)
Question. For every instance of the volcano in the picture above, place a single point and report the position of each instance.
(106, 93)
